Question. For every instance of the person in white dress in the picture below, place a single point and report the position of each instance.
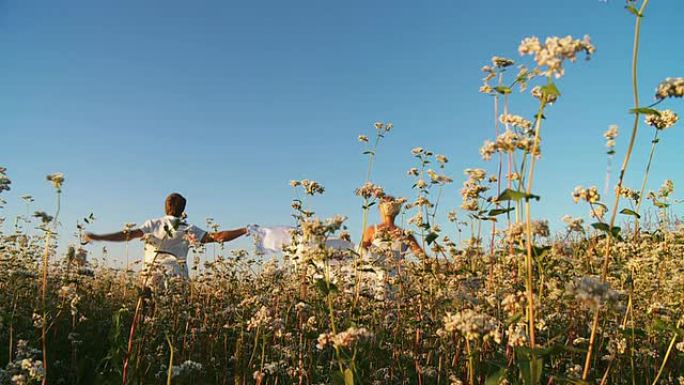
(386, 244)
(167, 241)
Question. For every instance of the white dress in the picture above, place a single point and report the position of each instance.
(388, 251)
(381, 264)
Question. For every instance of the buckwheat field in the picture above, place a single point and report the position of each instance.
(496, 298)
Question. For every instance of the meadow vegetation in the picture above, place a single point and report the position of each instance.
(497, 298)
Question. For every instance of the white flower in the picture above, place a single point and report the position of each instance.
(593, 292)
(670, 87)
(472, 325)
(516, 121)
(57, 180)
(502, 62)
(550, 56)
(665, 119)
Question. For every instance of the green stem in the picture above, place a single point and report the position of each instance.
(625, 162)
(169, 374)
(528, 219)
(667, 355)
(654, 142)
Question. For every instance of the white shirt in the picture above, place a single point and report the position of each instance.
(167, 240)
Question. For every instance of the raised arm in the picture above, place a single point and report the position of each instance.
(120, 236)
(415, 247)
(368, 237)
(224, 236)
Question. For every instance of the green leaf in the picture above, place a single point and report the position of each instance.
(644, 110)
(337, 378)
(630, 212)
(431, 237)
(502, 90)
(550, 90)
(632, 9)
(515, 195)
(539, 251)
(496, 377)
(348, 377)
(615, 231)
(325, 288)
(529, 364)
(495, 212)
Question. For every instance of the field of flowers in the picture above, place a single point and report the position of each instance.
(499, 300)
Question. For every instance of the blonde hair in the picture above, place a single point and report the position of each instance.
(390, 206)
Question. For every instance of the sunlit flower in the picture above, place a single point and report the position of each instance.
(669, 88)
(665, 119)
(502, 62)
(57, 180)
(550, 56)
(593, 292)
(370, 190)
(487, 150)
(515, 121)
(472, 325)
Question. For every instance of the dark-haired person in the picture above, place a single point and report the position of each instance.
(167, 241)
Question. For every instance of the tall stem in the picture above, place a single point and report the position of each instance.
(625, 162)
(654, 142)
(528, 220)
(43, 295)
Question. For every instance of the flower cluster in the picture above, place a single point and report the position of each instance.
(573, 224)
(5, 182)
(515, 121)
(629, 193)
(662, 120)
(509, 141)
(186, 369)
(310, 187)
(550, 55)
(472, 189)
(370, 190)
(345, 339)
(547, 97)
(472, 325)
(669, 88)
(57, 179)
(610, 136)
(590, 194)
(593, 292)
(383, 127)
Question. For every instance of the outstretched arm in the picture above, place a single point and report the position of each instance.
(415, 247)
(368, 237)
(120, 236)
(224, 236)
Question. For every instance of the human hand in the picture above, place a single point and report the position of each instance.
(249, 229)
(87, 238)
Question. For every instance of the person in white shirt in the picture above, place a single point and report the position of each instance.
(167, 241)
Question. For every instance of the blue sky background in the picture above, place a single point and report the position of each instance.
(227, 101)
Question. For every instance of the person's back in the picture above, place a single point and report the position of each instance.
(167, 241)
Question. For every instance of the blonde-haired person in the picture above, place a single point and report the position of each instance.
(389, 240)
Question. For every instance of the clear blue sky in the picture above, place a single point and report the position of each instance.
(227, 101)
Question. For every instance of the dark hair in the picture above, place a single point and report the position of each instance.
(175, 205)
